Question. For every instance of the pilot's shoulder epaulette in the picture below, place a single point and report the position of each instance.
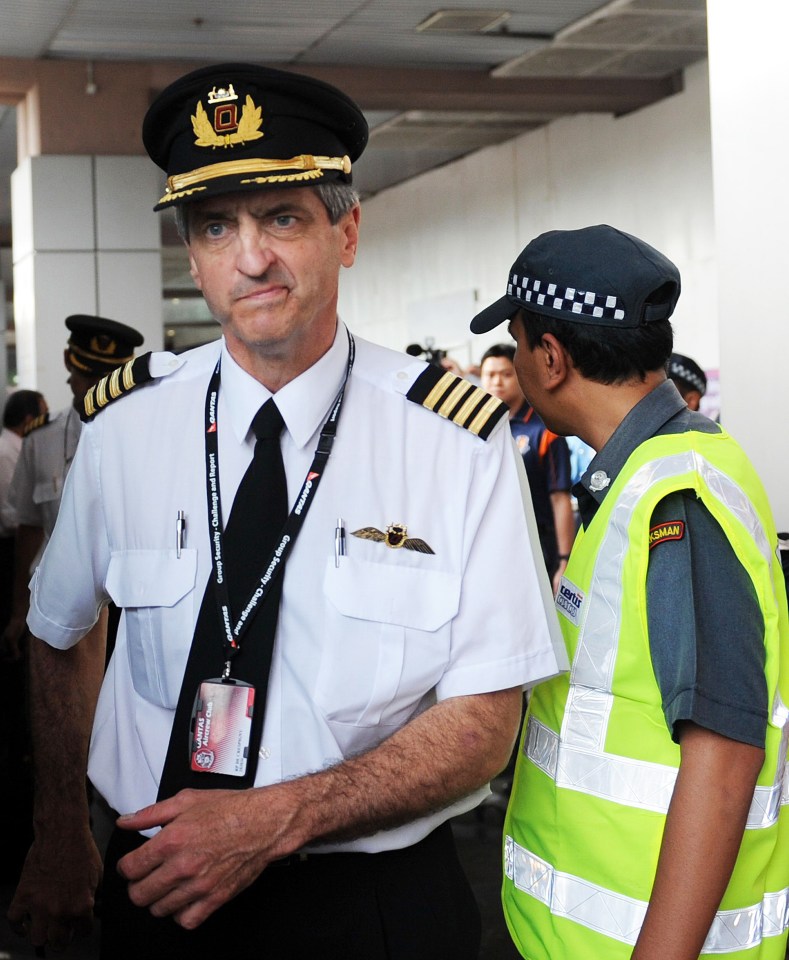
(36, 424)
(457, 400)
(135, 373)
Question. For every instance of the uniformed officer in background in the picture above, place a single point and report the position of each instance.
(689, 379)
(95, 346)
(395, 686)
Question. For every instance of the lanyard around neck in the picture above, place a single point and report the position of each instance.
(233, 632)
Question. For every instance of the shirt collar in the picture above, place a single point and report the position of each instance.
(642, 422)
(303, 403)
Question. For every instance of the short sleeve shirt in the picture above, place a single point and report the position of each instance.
(41, 470)
(363, 644)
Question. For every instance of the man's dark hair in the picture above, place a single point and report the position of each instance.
(606, 354)
(499, 350)
(21, 404)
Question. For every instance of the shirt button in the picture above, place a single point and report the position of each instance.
(264, 753)
(402, 375)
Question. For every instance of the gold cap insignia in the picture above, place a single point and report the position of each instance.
(227, 129)
(222, 94)
(103, 345)
(395, 537)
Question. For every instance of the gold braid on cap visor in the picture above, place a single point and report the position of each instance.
(184, 184)
(78, 356)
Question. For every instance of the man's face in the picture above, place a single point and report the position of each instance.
(267, 263)
(499, 378)
(526, 369)
(79, 382)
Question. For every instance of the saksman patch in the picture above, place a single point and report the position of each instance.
(671, 530)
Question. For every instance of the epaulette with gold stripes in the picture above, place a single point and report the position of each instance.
(457, 400)
(40, 421)
(115, 385)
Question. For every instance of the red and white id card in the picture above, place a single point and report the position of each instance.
(221, 727)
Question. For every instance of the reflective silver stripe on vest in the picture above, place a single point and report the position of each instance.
(620, 917)
(582, 763)
(633, 783)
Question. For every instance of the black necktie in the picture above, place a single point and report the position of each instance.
(259, 511)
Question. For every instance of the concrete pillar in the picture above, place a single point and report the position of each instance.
(749, 89)
(85, 240)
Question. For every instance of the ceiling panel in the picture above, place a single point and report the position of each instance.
(28, 26)
(633, 29)
(646, 63)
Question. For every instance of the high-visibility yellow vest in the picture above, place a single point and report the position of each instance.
(597, 765)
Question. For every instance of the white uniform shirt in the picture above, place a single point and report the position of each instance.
(361, 647)
(40, 475)
(10, 447)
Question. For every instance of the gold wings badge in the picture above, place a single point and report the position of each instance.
(395, 537)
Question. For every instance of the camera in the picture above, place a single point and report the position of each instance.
(431, 353)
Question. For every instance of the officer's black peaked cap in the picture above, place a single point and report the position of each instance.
(238, 126)
(98, 344)
(597, 275)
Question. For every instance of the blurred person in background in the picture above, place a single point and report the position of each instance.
(545, 455)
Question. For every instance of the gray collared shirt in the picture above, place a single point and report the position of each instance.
(706, 629)
(661, 411)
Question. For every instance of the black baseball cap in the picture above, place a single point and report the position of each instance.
(596, 275)
(98, 345)
(239, 126)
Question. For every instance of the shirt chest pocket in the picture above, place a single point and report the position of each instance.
(156, 591)
(387, 640)
(47, 490)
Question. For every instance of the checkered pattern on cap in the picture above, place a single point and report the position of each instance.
(568, 299)
(679, 370)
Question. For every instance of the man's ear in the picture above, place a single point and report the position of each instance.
(349, 231)
(556, 361)
(195, 273)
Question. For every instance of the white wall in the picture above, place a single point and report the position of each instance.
(83, 242)
(749, 90)
(455, 231)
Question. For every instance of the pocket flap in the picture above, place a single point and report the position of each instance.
(407, 596)
(150, 578)
(46, 490)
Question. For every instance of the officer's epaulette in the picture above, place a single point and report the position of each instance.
(458, 400)
(41, 421)
(115, 385)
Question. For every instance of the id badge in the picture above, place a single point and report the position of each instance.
(221, 727)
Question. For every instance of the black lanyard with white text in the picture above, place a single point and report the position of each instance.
(290, 531)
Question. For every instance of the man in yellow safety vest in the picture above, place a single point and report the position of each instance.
(649, 814)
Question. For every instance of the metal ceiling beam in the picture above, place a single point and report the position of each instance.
(400, 89)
